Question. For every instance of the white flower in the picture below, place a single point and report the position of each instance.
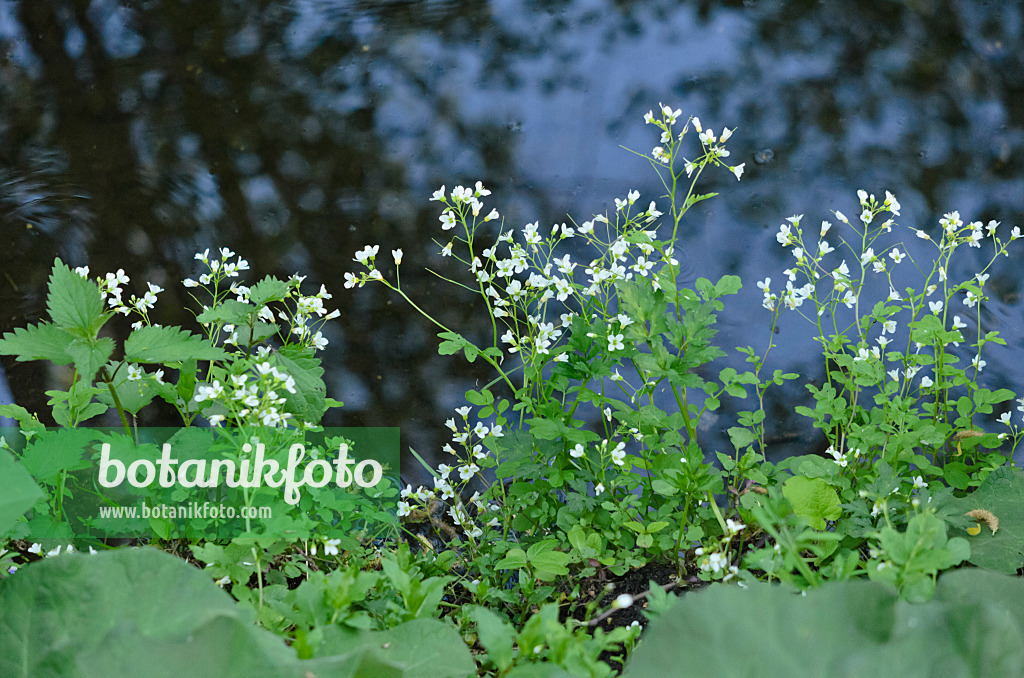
(734, 526)
(738, 169)
(784, 234)
(331, 547)
(825, 248)
(896, 255)
(223, 581)
(619, 454)
(891, 203)
(935, 306)
(623, 601)
(615, 342)
(926, 382)
(598, 489)
(397, 254)
(1004, 418)
(919, 483)
(367, 253)
(577, 451)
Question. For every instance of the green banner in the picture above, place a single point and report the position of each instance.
(207, 483)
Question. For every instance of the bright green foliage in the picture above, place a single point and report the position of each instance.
(910, 560)
(74, 303)
(584, 458)
(1000, 494)
(157, 345)
(813, 499)
(129, 612)
(18, 492)
(973, 627)
(147, 614)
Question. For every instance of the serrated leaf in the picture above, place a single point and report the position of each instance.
(74, 302)
(44, 341)
(134, 394)
(89, 357)
(168, 344)
(53, 451)
(267, 290)
(26, 420)
(230, 311)
(308, 402)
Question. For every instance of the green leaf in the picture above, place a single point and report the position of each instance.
(152, 344)
(267, 290)
(741, 437)
(18, 492)
(132, 612)
(728, 284)
(56, 450)
(308, 402)
(90, 356)
(549, 564)
(973, 627)
(513, 560)
(421, 648)
(495, 635)
(134, 395)
(455, 342)
(999, 494)
(26, 420)
(813, 499)
(44, 341)
(232, 311)
(74, 302)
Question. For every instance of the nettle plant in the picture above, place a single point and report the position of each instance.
(253, 375)
(572, 458)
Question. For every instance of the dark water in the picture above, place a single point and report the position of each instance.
(134, 133)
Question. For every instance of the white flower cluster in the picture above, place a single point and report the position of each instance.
(713, 146)
(470, 441)
(254, 395)
(111, 291)
(304, 321)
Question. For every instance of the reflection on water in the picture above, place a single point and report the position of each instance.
(133, 134)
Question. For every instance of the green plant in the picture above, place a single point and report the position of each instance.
(580, 464)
